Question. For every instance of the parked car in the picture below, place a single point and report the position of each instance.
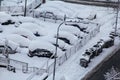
(86, 57)
(95, 50)
(6, 19)
(108, 42)
(8, 47)
(42, 49)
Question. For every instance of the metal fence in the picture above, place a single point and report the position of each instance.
(19, 10)
(73, 50)
(13, 9)
(3, 61)
(17, 64)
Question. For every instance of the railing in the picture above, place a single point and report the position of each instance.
(19, 10)
(17, 64)
(32, 6)
(60, 60)
(12, 9)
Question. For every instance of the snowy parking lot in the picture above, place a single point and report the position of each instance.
(34, 39)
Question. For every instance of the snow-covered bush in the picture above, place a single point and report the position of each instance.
(25, 19)
(56, 9)
(12, 46)
(72, 30)
(24, 33)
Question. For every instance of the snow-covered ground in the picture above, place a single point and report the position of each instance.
(70, 70)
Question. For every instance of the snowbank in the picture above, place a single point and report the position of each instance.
(24, 33)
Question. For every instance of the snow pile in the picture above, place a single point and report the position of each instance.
(71, 29)
(56, 8)
(9, 43)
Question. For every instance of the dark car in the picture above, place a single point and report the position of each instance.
(107, 42)
(86, 57)
(41, 53)
(89, 54)
(7, 49)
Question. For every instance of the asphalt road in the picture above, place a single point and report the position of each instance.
(94, 2)
(113, 61)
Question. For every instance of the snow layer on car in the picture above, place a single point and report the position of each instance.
(33, 28)
(40, 44)
(10, 43)
(23, 42)
(69, 36)
(52, 40)
(4, 17)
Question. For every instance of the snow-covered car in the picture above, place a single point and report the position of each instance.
(22, 41)
(25, 19)
(36, 29)
(83, 26)
(61, 44)
(107, 42)
(86, 57)
(67, 37)
(42, 48)
(24, 33)
(89, 54)
(8, 46)
(6, 19)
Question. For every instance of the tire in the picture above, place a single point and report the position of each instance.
(84, 63)
(30, 55)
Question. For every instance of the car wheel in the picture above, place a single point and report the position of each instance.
(30, 55)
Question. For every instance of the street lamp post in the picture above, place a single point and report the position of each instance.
(25, 8)
(0, 4)
(56, 50)
(116, 22)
